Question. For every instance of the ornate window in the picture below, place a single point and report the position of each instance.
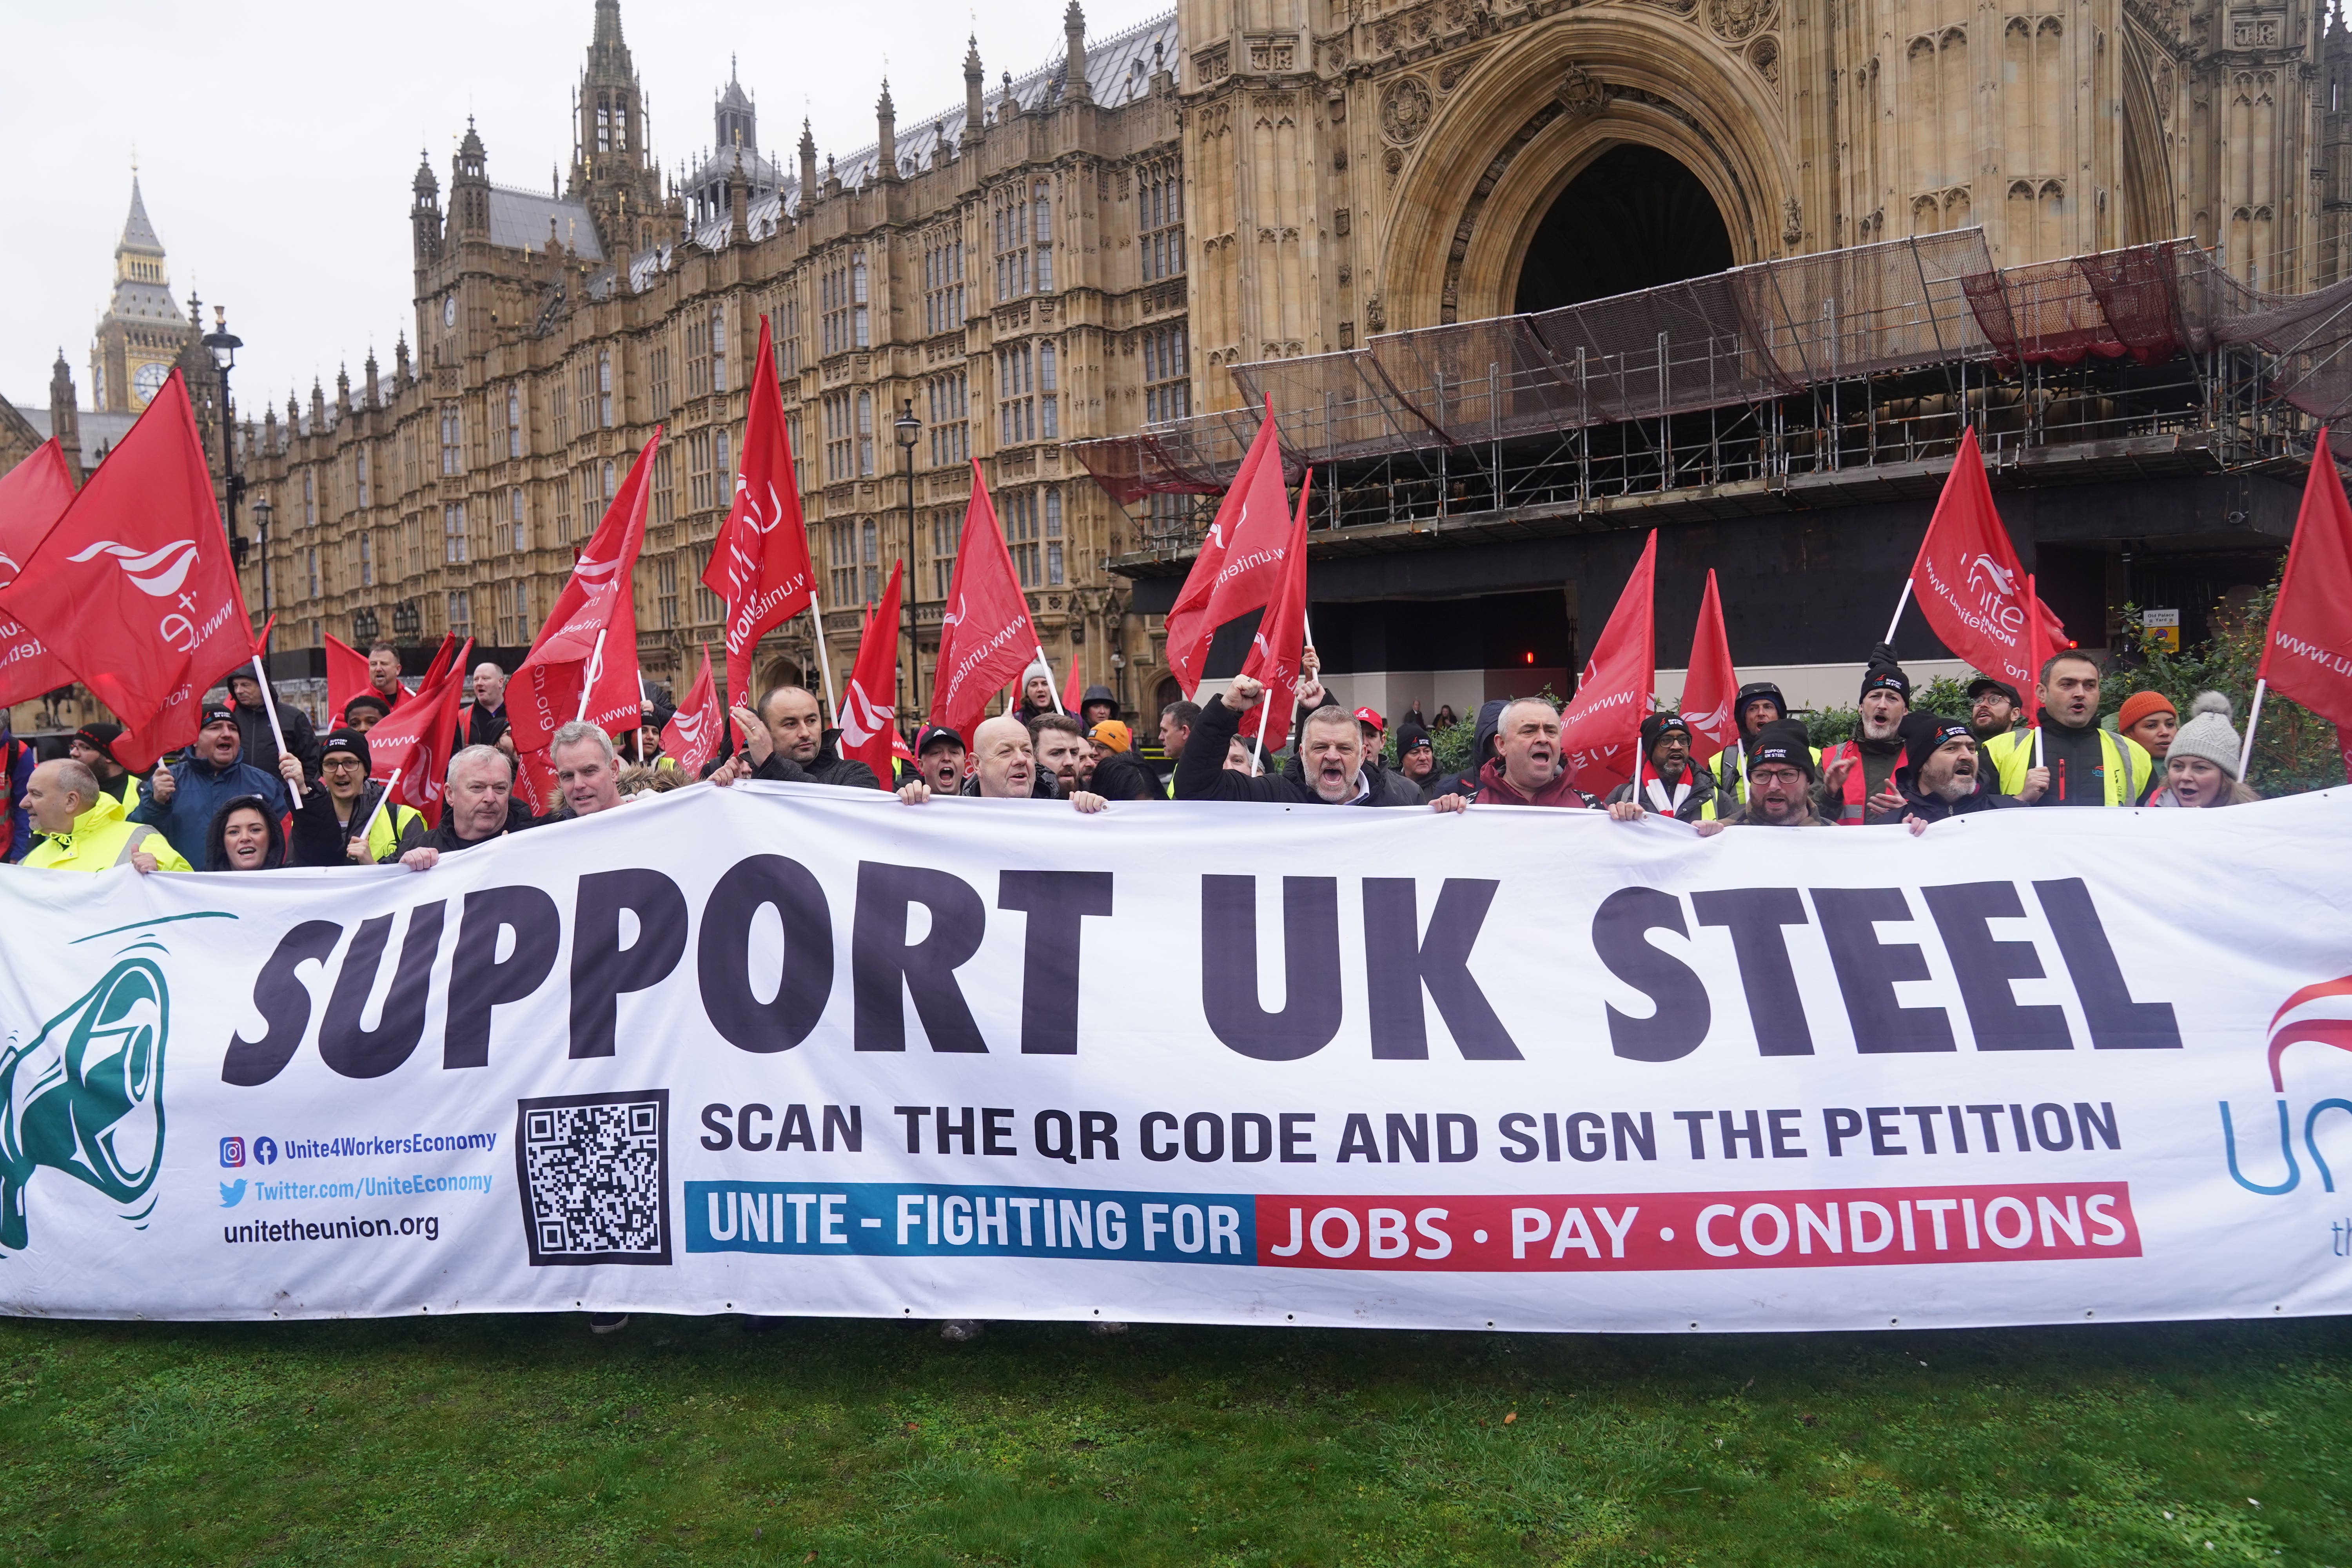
(1019, 517)
(452, 533)
(1159, 220)
(605, 389)
(1167, 374)
(943, 282)
(452, 435)
(1016, 395)
(951, 409)
(514, 422)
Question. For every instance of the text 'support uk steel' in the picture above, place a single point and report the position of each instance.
(784, 1050)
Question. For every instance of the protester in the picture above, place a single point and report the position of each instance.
(94, 747)
(1993, 708)
(1119, 773)
(478, 805)
(1037, 697)
(1528, 767)
(1005, 767)
(1176, 721)
(1375, 729)
(1671, 786)
(383, 676)
(655, 778)
(939, 758)
(182, 798)
(1483, 737)
(1758, 704)
(788, 743)
(16, 764)
(245, 836)
(587, 769)
(82, 829)
(260, 744)
(1061, 750)
(337, 824)
(1942, 774)
(1781, 776)
(365, 712)
(2080, 764)
(1096, 706)
(2149, 718)
(2201, 765)
(648, 745)
(1859, 775)
(483, 720)
(1333, 768)
(1416, 756)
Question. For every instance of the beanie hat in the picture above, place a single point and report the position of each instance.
(2139, 705)
(2207, 734)
(1111, 735)
(349, 740)
(1885, 678)
(1784, 741)
(100, 737)
(1654, 728)
(1925, 734)
(217, 715)
(1412, 737)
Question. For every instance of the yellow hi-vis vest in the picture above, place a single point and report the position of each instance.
(102, 839)
(2124, 761)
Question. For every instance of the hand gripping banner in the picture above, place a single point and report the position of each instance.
(789, 1050)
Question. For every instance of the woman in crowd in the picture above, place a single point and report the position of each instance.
(2148, 718)
(244, 837)
(2200, 767)
(1446, 717)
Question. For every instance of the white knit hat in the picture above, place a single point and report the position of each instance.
(2207, 734)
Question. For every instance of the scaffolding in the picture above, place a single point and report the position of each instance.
(1770, 386)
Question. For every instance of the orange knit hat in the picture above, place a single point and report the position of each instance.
(2139, 705)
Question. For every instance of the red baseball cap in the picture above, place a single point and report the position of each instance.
(1366, 716)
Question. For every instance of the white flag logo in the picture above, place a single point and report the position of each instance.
(157, 574)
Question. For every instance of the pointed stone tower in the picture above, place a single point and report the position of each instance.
(143, 328)
(613, 170)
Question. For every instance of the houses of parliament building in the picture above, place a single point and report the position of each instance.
(1085, 249)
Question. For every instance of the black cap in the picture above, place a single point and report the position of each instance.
(937, 735)
(350, 740)
(1926, 733)
(1784, 741)
(217, 716)
(1984, 683)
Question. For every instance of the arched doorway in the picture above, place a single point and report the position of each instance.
(1633, 218)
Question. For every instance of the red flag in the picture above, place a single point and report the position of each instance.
(985, 635)
(347, 676)
(2039, 645)
(421, 737)
(1710, 686)
(692, 735)
(33, 496)
(1075, 687)
(1278, 652)
(1601, 731)
(1240, 562)
(133, 587)
(869, 715)
(760, 562)
(2307, 648)
(1968, 579)
(598, 598)
(535, 782)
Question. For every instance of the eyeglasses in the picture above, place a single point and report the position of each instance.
(339, 764)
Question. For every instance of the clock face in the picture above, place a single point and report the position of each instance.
(449, 311)
(148, 380)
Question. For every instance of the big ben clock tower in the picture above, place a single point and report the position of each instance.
(142, 332)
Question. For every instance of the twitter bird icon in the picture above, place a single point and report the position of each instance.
(232, 1193)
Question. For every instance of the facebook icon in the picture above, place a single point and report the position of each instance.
(265, 1151)
(232, 1151)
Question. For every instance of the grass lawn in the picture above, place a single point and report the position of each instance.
(526, 1440)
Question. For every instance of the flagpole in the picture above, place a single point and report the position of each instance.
(269, 705)
(382, 802)
(824, 660)
(1258, 741)
(595, 671)
(1047, 666)
(2253, 717)
(1902, 599)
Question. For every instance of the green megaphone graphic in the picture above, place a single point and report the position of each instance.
(86, 1095)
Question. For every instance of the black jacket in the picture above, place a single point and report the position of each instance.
(1482, 752)
(480, 726)
(445, 838)
(842, 773)
(318, 837)
(1202, 773)
(1703, 794)
(260, 747)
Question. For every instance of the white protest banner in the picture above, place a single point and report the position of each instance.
(788, 1050)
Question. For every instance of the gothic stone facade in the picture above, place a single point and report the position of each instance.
(1248, 179)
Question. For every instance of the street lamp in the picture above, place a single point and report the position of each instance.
(224, 346)
(262, 513)
(909, 430)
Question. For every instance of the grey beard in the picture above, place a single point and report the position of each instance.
(1954, 789)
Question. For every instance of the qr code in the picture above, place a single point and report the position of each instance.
(593, 1170)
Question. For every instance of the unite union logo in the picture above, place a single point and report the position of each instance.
(157, 574)
(2312, 1015)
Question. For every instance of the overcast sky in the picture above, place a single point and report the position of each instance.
(276, 142)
